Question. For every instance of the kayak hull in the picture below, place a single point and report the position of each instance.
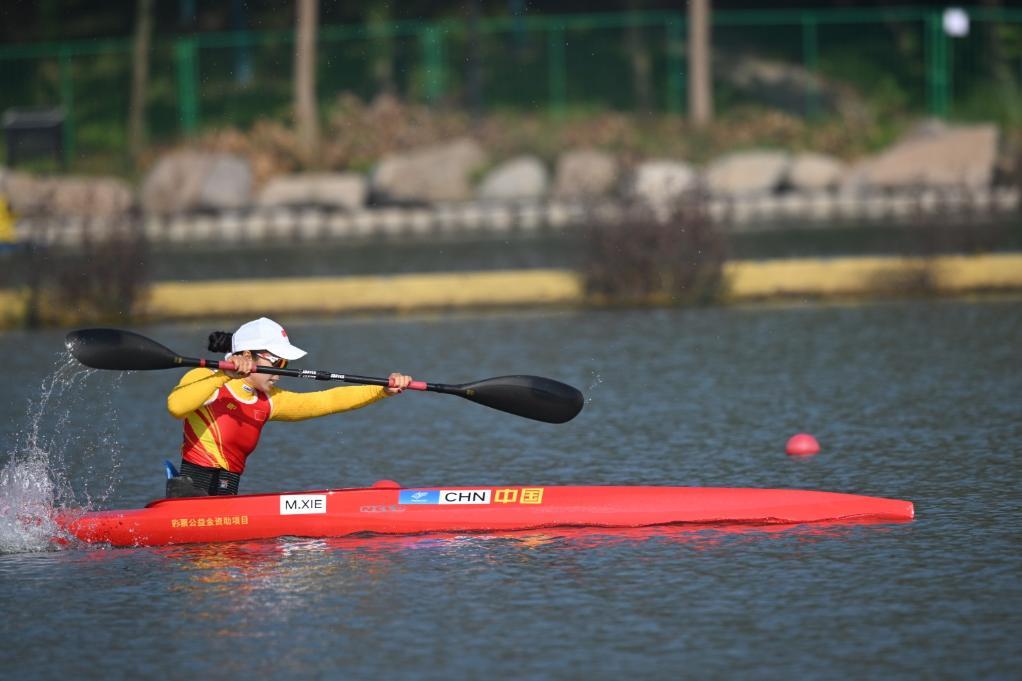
(389, 509)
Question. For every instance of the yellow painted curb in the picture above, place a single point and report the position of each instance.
(830, 277)
(744, 281)
(404, 292)
(12, 308)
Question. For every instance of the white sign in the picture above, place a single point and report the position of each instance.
(956, 22)
(302, 504)
(465, 496)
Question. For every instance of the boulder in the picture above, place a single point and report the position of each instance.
(428, 175)
(228, 184)
(933, 155)
(786, 86)
(26, 194)
(748, 173)
(585, 173)
(814, 172)
(83, 197)
(332, 190)
(100, 197)
(518, 179)
(660, 183)
(188, 180)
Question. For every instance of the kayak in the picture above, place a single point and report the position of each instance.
(387, 508)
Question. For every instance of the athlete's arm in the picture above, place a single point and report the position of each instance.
(194, 389)
(289, 406)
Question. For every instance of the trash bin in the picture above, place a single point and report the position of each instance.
(34, 133)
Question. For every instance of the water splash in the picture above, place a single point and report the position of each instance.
(594, 382)
(49, 467)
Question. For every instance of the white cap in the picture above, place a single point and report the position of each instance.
(265, 334)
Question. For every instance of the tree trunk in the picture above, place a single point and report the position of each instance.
(638, 54)
(700, 88)
(381, 46)
(140, 79)
(306, 117)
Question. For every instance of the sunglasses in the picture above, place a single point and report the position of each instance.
(276, 362)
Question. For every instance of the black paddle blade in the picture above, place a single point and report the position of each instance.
(117, 349)
(533, 397)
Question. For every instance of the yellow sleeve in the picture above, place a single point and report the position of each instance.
(289, 406)
(192, 391)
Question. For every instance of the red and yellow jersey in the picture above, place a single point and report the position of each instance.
(224, 417)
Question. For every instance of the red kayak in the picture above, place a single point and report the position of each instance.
(387, 508)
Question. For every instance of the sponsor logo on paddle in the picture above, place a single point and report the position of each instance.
(302, 504)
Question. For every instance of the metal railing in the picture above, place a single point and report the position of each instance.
(900, 59)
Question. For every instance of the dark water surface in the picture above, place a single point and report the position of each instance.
(912, 400)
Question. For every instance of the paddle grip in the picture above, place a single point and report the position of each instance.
(224, 365)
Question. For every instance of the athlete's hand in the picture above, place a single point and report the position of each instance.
(398, 382)
(243, 365)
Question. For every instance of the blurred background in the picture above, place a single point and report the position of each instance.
(322, 139)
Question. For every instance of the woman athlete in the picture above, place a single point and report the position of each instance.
(224, 412)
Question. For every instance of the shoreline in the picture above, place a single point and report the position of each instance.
(747, 282)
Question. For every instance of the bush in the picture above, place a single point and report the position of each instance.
(645, 256)
(101, 281)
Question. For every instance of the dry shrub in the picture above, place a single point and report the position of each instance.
(356, 134)
(101, 281)
(649, 257)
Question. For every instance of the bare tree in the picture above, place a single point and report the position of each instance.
(700, 84)
(306, 116)
(140, 79)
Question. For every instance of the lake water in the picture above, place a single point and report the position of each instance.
(913, 400)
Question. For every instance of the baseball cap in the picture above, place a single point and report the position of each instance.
(265, 334)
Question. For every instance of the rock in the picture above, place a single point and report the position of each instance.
(660, 183)
(521, 178)
(27, 194)
(815, 172)
(332, 190)
(72, 197)
(585, 173)
(428, 175)
(748, 173)
(933, 155)
(173, 183)
(101, 197)
(228, 184)
(189, 180)
(786, 86)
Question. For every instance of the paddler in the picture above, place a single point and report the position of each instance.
(224, 412)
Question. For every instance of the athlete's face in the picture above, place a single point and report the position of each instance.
(262, 382)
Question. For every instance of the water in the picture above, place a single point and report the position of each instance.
(911, 400)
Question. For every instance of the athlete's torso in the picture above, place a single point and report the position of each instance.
(225, 430)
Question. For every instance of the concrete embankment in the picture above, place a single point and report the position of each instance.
(746, 281)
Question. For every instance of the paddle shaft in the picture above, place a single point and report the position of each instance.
(533, 397)
(312, 374)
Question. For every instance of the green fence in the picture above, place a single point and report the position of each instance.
(898, 60)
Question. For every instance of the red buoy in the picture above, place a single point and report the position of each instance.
(802, 444)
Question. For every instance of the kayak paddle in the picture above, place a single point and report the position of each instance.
(533, 397)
